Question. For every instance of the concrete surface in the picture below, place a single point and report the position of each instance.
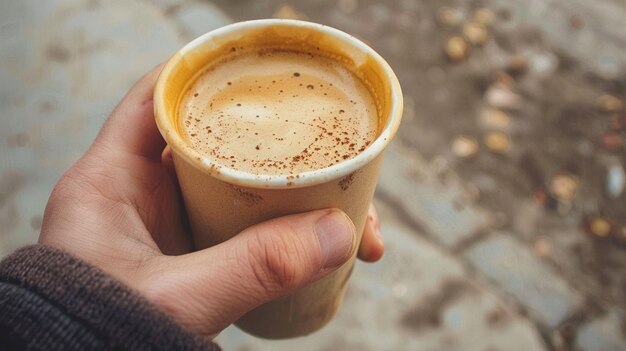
(480, 254)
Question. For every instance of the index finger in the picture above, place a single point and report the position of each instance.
(131, 127)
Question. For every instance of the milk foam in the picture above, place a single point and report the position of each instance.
(278, 113)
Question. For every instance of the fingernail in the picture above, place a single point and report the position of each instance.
(335, 233)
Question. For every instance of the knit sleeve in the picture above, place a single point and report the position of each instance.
(50, 300)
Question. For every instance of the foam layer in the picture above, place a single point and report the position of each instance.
(278, 113)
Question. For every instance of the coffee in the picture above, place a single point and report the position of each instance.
(278, 112)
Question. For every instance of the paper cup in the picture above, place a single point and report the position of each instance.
(223, 201)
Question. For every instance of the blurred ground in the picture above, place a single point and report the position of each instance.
(502, 198)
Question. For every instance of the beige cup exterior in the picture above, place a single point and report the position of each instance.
(218, 210)
(221, 202)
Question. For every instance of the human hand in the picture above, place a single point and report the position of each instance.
(120, 209)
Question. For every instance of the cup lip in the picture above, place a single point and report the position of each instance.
(272, 181)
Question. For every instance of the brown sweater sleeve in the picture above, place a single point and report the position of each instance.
(50, 300)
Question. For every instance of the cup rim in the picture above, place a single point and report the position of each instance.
(274, 181)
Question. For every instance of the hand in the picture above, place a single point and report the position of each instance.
(119, 208)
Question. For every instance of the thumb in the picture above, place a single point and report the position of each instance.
(209, 289)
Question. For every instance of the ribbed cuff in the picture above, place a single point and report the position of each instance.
(52, 300)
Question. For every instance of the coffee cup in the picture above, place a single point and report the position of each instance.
(221, 201)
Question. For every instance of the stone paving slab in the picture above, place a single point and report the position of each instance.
(197, 18)
(433, 200)
(604, 334)
(519, 272)
(416, 298)
(600, 46)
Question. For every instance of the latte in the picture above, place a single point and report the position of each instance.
(278, 112)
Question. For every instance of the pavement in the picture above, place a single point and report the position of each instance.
(501, 198)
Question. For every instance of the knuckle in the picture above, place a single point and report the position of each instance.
(60, 192)
(88, 177)
(275, 263)
(65, 187)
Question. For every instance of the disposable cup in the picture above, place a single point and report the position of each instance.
(222, 201)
